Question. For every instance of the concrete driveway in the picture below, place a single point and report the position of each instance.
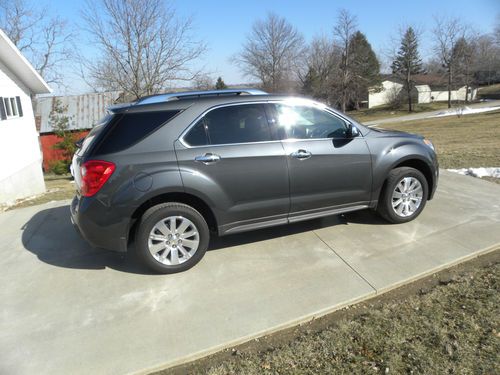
(69, 309)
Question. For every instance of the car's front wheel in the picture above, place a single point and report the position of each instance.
(172, 237)
(404, 195)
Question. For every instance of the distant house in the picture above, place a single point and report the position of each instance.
(20, 159)
(83, 110)
(428, 88)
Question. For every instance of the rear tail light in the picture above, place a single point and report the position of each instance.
(94, 174)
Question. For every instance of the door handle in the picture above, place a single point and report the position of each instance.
(208, 158)
(301, 154)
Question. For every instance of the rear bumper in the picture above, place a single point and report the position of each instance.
(98, 225)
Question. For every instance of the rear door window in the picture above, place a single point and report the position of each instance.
(237, 124)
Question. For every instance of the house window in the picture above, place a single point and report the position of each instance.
(10, 108)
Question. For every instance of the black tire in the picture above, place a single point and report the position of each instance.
(162, 211)
(384, 206)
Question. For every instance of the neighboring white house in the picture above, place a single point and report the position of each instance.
(383, 95)
(428, 89)
(20, 157)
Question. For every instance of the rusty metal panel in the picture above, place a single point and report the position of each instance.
(84, 110)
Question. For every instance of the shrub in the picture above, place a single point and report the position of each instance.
(60, 167)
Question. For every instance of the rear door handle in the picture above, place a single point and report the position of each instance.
(208, 158)
(301, 154)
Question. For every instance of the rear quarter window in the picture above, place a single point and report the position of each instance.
(129, 128)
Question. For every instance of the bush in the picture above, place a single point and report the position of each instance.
(60, 167)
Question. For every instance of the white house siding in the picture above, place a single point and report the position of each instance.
(442, 96)
(20, 157)
(423, 93)
(382, 97)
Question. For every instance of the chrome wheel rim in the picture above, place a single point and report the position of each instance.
(173, 240)
(407, 196)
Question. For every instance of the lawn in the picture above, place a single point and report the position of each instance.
(461, 142)
(369, 114)
(448, 323)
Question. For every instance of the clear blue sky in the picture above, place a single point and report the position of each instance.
(224, 24)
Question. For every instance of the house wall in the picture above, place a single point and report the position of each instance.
(442, 96)
(382, 97)
(20, 157)
(50, 154)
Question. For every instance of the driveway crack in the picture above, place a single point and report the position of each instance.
(343, 260)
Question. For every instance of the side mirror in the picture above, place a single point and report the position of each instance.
(352, 131)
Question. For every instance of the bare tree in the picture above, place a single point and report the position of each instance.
(486, 66)
(43, 39)
(496, 32)
(272, 52)
(144, 47)
(323, 60)
(447, 32)
(343, 31)
(465, 52)
(203, 82)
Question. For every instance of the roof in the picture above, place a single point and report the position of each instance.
(183, 100)
(432, 80)
(196, 94)
(12, 58)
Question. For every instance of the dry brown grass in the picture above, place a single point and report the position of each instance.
(461, 142)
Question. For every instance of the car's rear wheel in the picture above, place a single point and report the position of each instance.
(172, 237)
(404, 195)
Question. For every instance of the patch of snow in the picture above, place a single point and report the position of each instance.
(478, 172)
(464, 111)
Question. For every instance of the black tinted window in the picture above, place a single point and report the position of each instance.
(197, 136)
(303, 122)
(127, 129)
(237, 124)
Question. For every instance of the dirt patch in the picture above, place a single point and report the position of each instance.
(445, 323)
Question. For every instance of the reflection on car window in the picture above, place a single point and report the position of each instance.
(302, 122)
(237, 124)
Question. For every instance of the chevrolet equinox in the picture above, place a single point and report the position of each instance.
(169, 170)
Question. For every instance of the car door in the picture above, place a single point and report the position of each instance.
(328, 169)
(230, 157)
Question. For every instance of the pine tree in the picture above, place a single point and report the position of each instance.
(61, 123)
(365, 68)
(407, 62)
(220, 85)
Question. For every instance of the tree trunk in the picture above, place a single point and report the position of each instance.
(449, 87)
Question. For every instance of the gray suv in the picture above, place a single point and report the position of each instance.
(170, 170)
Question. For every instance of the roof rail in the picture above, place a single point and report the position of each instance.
(196, 94)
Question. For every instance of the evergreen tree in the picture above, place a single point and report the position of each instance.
(407, 62)
(60, 123)
(365, 68)
(220, 85)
